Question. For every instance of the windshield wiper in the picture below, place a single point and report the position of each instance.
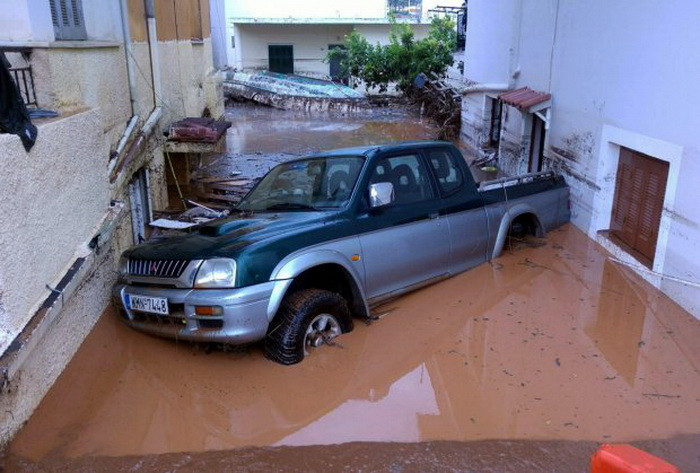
(290, 206)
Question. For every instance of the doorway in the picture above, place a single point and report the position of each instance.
(281, 58)
(335, 68)
(537, 137)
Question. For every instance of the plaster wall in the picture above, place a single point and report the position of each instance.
(30, 20)
(380, 33)
(24, 392)
(15, 24)
(611, 86)
(310, 45)
(220, 37)
(300, 10)
(491, 35)
(53, 199)
(69, 79)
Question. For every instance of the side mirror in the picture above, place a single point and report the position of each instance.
(381, 194)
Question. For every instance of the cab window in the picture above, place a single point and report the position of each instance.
(447, 173)
(408, 175)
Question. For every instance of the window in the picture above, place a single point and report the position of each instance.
(67, 18)
(407, 174)
(447, 172)
(640, 187)
(281, 58)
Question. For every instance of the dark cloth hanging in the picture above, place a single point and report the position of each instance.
(14, 117)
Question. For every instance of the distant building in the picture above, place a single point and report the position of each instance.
(610, 104)
(294, 36)
(118, 72)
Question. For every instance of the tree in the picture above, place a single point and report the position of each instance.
(402, 59)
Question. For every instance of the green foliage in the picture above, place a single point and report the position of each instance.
(402, 59)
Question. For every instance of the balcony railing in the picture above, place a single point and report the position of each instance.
(25, 83)
(17, 59)
(405, 9)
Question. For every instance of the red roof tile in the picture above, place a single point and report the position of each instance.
(524, 97)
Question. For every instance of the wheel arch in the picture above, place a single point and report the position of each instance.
(518, 211)
(323, 269)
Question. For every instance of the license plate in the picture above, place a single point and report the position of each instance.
(152, 305)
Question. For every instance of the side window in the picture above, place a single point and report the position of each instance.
(408, 175)
(446, 170)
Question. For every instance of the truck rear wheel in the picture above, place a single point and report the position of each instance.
(306, 319)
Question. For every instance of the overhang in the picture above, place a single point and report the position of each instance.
(526, 99)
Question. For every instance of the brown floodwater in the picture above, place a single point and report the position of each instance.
(265, 130)
(551, 342)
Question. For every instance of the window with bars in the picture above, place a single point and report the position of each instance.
(68, 21)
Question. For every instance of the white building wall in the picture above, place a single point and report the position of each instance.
(298, 10)
(620, 74)
(30, 20)
(490, 38)
(310, 44)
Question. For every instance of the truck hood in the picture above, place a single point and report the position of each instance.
(228, 236)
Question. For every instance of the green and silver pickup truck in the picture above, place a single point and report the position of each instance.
(320, 240)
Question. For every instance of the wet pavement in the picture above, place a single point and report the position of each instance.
(524, 364)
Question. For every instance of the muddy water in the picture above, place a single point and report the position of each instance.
(265, 130)
(548, 342)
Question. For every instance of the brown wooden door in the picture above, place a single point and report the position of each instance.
(639, 199)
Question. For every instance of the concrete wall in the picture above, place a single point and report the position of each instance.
(310, 43)
(56, 198)
(53, 200)
(615, 81)
(30, 20)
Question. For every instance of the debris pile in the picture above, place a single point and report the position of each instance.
(221, 192)
(440, 102)
(292, 92)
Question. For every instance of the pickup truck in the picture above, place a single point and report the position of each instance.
(321, 239)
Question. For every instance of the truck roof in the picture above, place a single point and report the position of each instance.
(370, 150)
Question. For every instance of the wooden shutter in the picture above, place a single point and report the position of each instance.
(639, 198)
(67, 17)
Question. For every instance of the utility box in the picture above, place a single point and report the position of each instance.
(624, 458)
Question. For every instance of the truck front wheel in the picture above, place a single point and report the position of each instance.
(306, 319)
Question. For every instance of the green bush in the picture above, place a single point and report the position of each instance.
(402, 59)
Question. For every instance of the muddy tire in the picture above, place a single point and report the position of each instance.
(288, 335)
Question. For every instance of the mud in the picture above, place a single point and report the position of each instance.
(548, 343)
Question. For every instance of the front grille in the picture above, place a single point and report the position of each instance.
(157, 268)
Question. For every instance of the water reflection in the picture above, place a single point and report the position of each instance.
(545, 344)
(618, 328)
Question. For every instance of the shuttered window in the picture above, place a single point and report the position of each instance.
(639, 199)
(67, 17)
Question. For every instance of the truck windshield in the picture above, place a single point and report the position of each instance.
(309, 184)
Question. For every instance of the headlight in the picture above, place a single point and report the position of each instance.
(123, 266)
(216, 272)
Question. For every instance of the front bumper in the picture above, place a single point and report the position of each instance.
(245, 315)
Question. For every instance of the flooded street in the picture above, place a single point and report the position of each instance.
(549, 344)
(523, 364)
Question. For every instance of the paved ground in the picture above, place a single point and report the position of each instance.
(551, 343)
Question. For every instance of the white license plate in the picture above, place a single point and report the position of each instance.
(152, 305)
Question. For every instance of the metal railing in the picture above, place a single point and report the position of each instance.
(25, 83)
(405, 9)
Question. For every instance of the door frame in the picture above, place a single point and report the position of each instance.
(612, 138)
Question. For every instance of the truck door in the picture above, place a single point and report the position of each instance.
(462, 207)
(406, 243)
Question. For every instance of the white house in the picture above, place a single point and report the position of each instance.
(611, 89)
(294, 36)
